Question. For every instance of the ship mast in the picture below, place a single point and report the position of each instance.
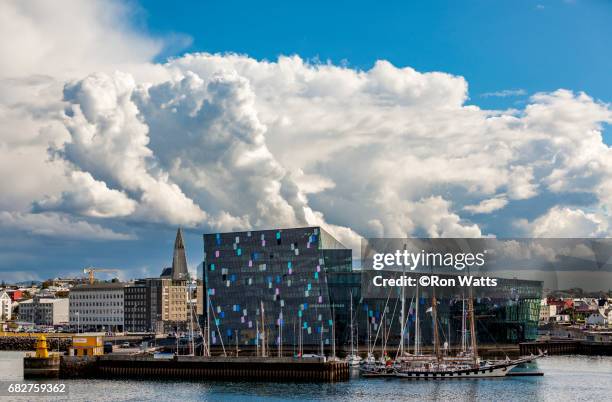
(264, 340)
(417, 325)
(257, 338)
(369, 329)
(333, 326)
(300, 334)
(434, 317)
(207, 337)
(352, 329)
(472, 327)
(280, 333)
(403, 319)
(463, 326)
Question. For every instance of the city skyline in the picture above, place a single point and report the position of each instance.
(443, 121)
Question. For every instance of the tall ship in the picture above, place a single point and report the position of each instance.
(465, 364)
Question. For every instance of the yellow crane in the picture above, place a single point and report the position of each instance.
(90, 271)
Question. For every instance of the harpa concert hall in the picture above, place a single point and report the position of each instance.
(298, 287)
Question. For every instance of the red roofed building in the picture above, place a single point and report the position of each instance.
(15, 294)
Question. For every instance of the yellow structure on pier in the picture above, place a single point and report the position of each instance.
(87, 345)
(42, 364)
(41, 348)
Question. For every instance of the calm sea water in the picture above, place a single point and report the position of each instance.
(576, 378)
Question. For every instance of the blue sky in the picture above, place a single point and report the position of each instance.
(507, 51)
(497, 45)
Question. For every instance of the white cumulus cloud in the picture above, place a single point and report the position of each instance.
(487, 206)
(57, 226)
(566, 222)
(89, 197)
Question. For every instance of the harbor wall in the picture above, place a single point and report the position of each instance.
(567, 347)
(26, 343)
(78, 367)
(195, 368)
(41, 367)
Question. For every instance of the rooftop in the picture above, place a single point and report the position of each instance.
(42, 300)
(99, 286)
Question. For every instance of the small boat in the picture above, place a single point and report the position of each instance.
(353, 360)
(377, 369)
(370, 367)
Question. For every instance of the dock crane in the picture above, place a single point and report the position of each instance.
(90, 271)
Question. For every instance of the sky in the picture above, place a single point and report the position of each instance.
(121, 121)
(514, 48)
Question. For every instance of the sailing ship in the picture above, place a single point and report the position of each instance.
(466, 364)
(353, 359)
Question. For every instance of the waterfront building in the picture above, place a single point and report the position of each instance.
(547, 312)
(597, 319)
(97, 307)
(271, 286)
(165, 305)
(510, 314)
(136, 307)
(6, 305)
(44, 311)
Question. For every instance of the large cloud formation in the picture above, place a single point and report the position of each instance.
(228, 142)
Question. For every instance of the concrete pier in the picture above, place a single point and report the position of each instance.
(39, 367)
(201, 368)
(567, 347)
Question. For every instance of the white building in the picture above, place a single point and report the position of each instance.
(597, 319)
(44, 311)
(6, 305)
(547, 312)
(97, 307)
(562, 318)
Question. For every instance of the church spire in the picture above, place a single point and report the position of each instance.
(179, 261)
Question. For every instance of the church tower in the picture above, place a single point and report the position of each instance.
(179, 261)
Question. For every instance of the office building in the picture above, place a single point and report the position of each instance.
(44, 311)
(136, 307)
(97, 307)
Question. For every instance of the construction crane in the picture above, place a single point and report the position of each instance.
(90, 271)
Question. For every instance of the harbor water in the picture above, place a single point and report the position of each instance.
(566, 378)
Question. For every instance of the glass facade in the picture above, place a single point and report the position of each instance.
(283, 271)
(508, 315)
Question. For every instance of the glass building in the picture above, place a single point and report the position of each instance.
(272, 285)
(507, 315)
